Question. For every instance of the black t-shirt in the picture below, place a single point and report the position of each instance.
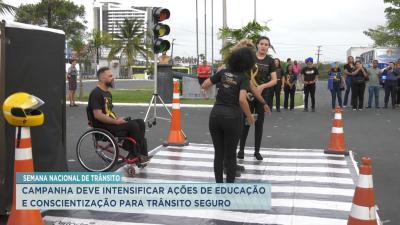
(309, 73)
(230, 86)
(279, 73)
(264, 68)
(359, 77)
(349, 69)
(99, 99)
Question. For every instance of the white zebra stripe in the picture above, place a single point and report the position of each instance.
(245, 217)
(254, 167)
(363, 213)
(365, 181)
(337, 130)
(266, 152)
(265, 177)
(338, 116)
(208, 147)
(23, 153)
(277, 160)
(311, 204)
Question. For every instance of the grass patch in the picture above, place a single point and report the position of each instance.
(144, 96)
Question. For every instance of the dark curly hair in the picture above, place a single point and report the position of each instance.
(241, 60)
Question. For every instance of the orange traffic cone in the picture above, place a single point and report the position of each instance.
(363, 209)
(23, 163)
(336, 145)
(176, 136)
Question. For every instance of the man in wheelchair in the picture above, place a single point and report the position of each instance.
(101, 116)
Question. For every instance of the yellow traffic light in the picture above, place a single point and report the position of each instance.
(160, 29)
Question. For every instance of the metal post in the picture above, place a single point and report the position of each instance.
(172, 52)
(197, 33)
(255, 10)
(205, 29)
(212, 37)
(224, 23)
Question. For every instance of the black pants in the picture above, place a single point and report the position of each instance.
(357, 94)
(348, 89)
(225, 125)
(275, 92)
(255, 107)
(133, 128)
(289, 92)
(398, 92)
(309, 89)
(390, 89)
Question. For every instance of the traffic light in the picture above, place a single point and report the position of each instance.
(160, 29)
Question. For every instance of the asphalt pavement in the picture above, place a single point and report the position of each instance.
(371, 132)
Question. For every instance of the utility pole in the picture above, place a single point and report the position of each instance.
(205, 29)
(318, 54)
(197, 34)
(212, 37)
(172, 52)
(224, 24)
(255, 10)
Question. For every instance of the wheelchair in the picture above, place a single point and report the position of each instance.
(98, 150)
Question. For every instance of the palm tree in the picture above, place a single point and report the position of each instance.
(251, 31)
(97, 41)
(130, 43)
(5, 8)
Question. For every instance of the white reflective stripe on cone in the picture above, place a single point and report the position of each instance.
(338, 116)
(176, 106)
(365, 181)
(23, 153)
(176, 96)
(337, 130)
(362, 212)
(25, 132)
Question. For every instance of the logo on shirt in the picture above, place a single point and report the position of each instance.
(228, 80)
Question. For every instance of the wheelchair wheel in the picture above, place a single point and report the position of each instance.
(97, 150)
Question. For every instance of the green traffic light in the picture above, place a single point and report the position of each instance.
(161, 45)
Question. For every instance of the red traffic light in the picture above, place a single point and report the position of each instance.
(161, 14)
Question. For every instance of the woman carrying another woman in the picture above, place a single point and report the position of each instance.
(359, 76)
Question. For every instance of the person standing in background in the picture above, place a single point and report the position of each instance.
(335, 82)
(72, 75)
(359, 76)
(374, 74)
(392, 76)
(203, 73)
(310, 74)
(297, 72)
(348, 69)
(289, 88)
(276, 90)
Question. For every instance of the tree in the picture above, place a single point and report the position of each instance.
(130, 42)
(251, 31)
(389, 34)
(98, 40)
(58, 14)
(5, 8)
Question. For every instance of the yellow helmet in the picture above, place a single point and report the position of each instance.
(20, 109)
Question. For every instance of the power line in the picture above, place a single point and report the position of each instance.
(318, 53)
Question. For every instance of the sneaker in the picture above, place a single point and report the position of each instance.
(258, 156)
(312, 110)
(278, 110)
(377, 107)
(305, 110)
(240, 154)
(240, 168)
(368, 107)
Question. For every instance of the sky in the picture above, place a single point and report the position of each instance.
(297, 27)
